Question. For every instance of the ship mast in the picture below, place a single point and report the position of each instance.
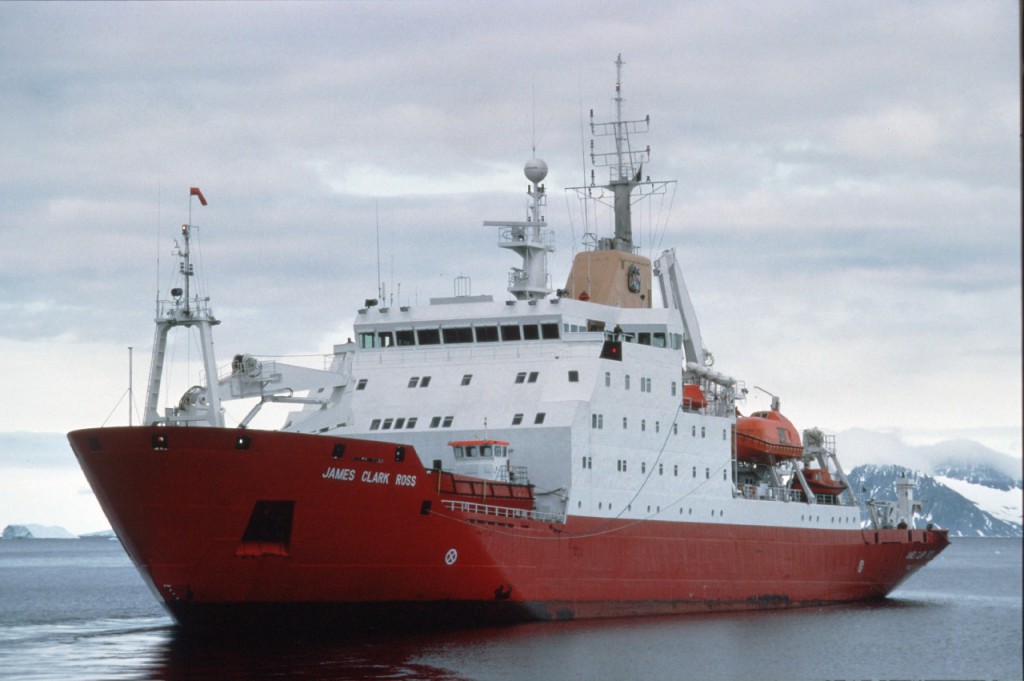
(529, 239)
(198, 405)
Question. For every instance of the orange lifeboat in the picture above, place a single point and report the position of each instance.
(766, 437)
(821, 482)
(693, 397)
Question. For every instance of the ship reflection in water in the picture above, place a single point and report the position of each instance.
(78, 610)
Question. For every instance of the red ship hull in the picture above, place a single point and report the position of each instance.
(238, 526)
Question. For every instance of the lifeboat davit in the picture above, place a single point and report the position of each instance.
(767, 437)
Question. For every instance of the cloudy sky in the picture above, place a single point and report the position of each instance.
(847, 210)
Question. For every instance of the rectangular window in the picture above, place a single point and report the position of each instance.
(539, 418)
(657, 426)
(399, 422)
(510, 332)
(447, 423)
(532, 378)
(643, 338)
(643, 425)
(517, 419)
(387, 424)
(607, 379)
(375, 424)
(627, 381)
(428, 336)
(405, 338)
(366, 340)
(659, 339)
(531, 332)
(411, 423)
(625, 422)
(466, 379)
(486, 334)
(597, 421)
(574, 376)
(385, 339)
(425, 381)
(707, 473)
(361, 384)
(461, 334)
(413, 382)
(673, 388)
(675, 470)
(521, 377)
(695, 471)
(549, 331)
(436, 421)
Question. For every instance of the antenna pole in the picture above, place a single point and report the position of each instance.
(130, 392)
(380, 291)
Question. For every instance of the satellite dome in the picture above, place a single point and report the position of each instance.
(535, 170)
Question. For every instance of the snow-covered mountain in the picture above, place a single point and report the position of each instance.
(966, 487)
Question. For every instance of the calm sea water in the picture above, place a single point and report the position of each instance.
(78, 610)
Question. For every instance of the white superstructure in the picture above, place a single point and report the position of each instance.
(593, 387)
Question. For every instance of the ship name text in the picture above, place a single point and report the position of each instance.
(368, 477)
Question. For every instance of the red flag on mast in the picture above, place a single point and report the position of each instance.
(194, 191)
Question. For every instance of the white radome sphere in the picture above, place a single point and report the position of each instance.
(536, 170)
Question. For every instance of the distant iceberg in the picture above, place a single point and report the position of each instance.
(36, 532)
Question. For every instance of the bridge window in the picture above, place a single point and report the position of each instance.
(414, 381)
(549, 331)
(517, 419)
(385, 339)
(425, 381)
(435, 422)
(658, 339)
(539, 418)
(361, 384)
(447, 423)
(375, 424)
(510, 332)
(461, 334)
(428, 336)
(405, 338)
(411, 423)
(532, 378)
(466, 379)
(521, 377)
(399, 422)
(531, 332)
(486, 334)
(366, 340)
(387, 424)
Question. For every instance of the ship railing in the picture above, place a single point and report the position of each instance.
(500, 511)
(522, 233)
(513, 474)
(760, 493)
